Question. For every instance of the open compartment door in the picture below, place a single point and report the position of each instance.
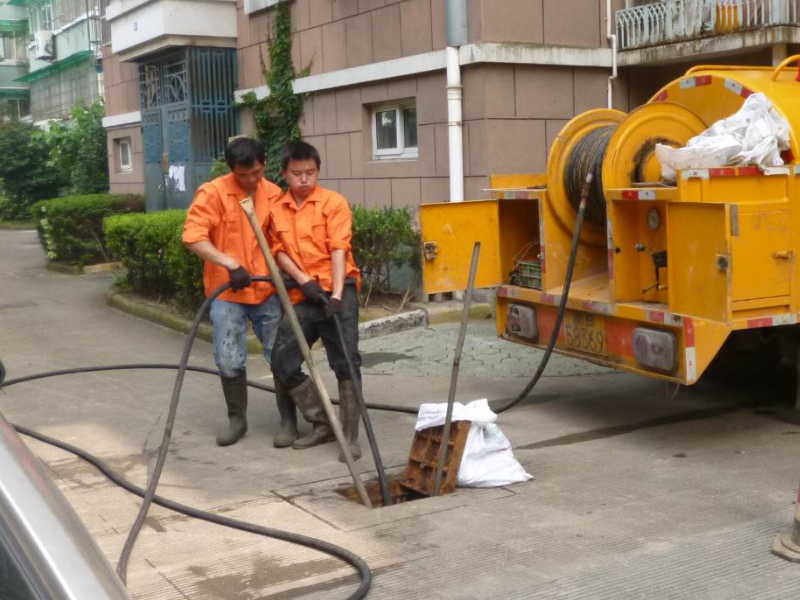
(449, 230)
(699, 260)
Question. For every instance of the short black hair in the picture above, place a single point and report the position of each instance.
(299, 150)
(244, 151)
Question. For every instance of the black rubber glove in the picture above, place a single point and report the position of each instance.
(314, 292)
(240, 278)
(333, 307)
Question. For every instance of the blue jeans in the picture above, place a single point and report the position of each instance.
(230, 331)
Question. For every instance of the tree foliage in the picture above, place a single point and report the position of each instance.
(78, 149)
(24, 171)
(277, 117)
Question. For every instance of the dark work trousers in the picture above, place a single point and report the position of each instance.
(287, 359)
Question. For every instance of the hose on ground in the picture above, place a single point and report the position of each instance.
(149, 493)
(331, 549)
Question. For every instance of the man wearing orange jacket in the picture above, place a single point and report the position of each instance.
(311, 230)
(218, 231)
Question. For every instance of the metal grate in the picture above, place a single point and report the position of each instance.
(213, 76)
(675, 20)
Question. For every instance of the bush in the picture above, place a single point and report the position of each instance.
(383, 238)
(24, 171)
(158, 264)
(71, 228)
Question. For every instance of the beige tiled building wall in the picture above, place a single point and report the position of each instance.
(121, 82)
(511, 111)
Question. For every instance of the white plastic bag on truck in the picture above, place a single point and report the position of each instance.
(488, 460)
(755, 135)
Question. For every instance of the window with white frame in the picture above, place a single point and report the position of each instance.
(12, 46)
(124, 155)
(394, 130)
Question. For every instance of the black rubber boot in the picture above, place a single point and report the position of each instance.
(235, 391)
(287, 433)
(306, 399)
(350, 416)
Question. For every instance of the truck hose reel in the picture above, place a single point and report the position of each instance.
(587, 157)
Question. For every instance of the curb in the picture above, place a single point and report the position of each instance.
(392, 324)
(68, 269)
(450, 313)
(139, 307)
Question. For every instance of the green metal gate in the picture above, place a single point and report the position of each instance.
(188, 115)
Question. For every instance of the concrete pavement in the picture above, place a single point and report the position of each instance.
(637, 495)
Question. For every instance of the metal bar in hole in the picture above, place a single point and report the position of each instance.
(462, 333)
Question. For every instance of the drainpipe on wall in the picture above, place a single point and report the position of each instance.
(612, 39)
(456, 24)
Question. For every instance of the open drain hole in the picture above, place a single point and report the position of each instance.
(417, 481)
(398, 493)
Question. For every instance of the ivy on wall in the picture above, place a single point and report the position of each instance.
(277, 117)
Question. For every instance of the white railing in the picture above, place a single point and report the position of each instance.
(673, 20)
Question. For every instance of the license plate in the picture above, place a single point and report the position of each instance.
(585, 332)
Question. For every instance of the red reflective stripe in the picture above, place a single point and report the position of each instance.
(630, 195)
(722, 172)
(745, 92)
(749, 171)
(761, 322)
(661, 97)
(688, 332)
(702, 80)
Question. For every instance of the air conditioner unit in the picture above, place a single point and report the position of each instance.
(43, 45)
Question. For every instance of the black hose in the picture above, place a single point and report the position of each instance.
(333, 550)
(152, 483)
(562, 305)
(148, 495)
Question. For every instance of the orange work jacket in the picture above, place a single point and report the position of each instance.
(215, 215)
(310, 232)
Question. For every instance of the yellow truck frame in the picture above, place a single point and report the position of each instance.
(673, 270)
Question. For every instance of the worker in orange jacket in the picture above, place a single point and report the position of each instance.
(310, 232)
(218, 231)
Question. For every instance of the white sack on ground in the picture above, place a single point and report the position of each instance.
(488, 460)
(755, 135)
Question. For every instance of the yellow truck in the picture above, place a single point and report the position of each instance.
(663, 275)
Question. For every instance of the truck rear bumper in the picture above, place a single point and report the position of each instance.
(642, 338)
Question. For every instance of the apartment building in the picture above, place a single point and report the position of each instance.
(14, 95)
(63, 51)
(170, 72)
(376, 94)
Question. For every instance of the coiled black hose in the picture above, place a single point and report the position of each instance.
(585, 159)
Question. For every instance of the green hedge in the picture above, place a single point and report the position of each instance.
(158, 265)
(71, 227)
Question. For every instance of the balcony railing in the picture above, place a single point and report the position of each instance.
(675, 20)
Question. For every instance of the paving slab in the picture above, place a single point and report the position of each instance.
(637, 494)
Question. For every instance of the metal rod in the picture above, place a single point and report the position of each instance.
(247, 206)
(462, 333)
(362, 410)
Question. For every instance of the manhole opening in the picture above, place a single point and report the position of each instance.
(417, 481)
(397, 492)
